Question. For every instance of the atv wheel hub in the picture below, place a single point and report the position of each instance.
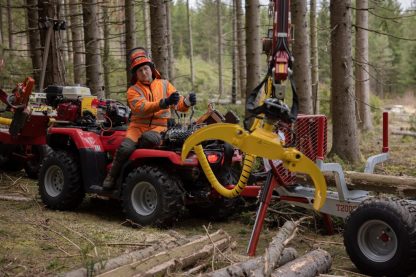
(54, 180)
(144, 198)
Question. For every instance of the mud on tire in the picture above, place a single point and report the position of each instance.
(380, 237)
(60, 185)
(152, 197)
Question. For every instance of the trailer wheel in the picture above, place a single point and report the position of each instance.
(60, 185)
(380, 237)
(32, 166)
(152, 197)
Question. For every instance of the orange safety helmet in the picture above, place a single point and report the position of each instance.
(139, 56)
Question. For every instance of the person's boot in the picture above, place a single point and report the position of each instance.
(109, 181)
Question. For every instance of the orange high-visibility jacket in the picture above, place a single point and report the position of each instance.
(146, 113)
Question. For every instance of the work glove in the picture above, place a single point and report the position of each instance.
(190, 100)
(173, 99)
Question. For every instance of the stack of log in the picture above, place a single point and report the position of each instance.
(192, 257)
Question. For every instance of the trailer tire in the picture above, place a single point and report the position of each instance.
(60, 185)
(150, 196)
(380, 237)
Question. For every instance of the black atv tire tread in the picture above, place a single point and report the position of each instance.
(32, 168)
(172, 207)
(406, 213)
(73, 193)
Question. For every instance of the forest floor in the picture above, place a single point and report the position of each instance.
(35, 241)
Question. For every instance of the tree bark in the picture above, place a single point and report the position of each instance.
(247, 267)
(68, 31)
(219, 33)
(130, 34)
(234, 83)
(1, 26)
(253, 45)
(54, 73)
(77, 42)
(191, 46)
(61, 15)
(171, 59)
(176, 258)
(400, 185)
(146, 18)
(344, 135)
(10, 24)
(34, 39)
(241, 49)
(106, 54)
(313, 263)
(128, 258)
(92, 48)
(302, 65)
(362, 77)
(314, 57)
(159, 36)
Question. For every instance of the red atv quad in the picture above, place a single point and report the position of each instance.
(154, 185)
(23, 137)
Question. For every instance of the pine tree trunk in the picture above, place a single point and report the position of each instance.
(191, 47)
(253, 45)
(241, 48)
(219, 32)
(10, 24)
(106, 53)
(234, 84)
(77, 42)
(130, 34)
(344, 135)
(61, 15)
(301, 69)
(92, 48)
(171, 59)
(362, 77)
(54, 71)
(159, 36)
(314, 57)
(68, 41)
(146, 18)
(1, 26)
(34, 39)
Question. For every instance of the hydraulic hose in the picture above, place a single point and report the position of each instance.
(242, 182)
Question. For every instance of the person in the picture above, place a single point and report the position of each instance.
(150, 99)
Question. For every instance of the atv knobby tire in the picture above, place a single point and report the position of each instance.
(380, 237)
(152, 197)
(33, 165)
(60, 185)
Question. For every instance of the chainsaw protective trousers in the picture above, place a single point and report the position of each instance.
(124, 151)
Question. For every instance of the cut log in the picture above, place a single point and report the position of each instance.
(15, 198)
(400, 185)
(245, 268)
(311, 264)
(128, 258)
(264, 265)
(404, 133)
(174, 259)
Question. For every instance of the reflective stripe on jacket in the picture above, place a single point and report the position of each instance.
(144, 103)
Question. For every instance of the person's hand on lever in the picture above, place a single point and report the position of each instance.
(173, 99)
